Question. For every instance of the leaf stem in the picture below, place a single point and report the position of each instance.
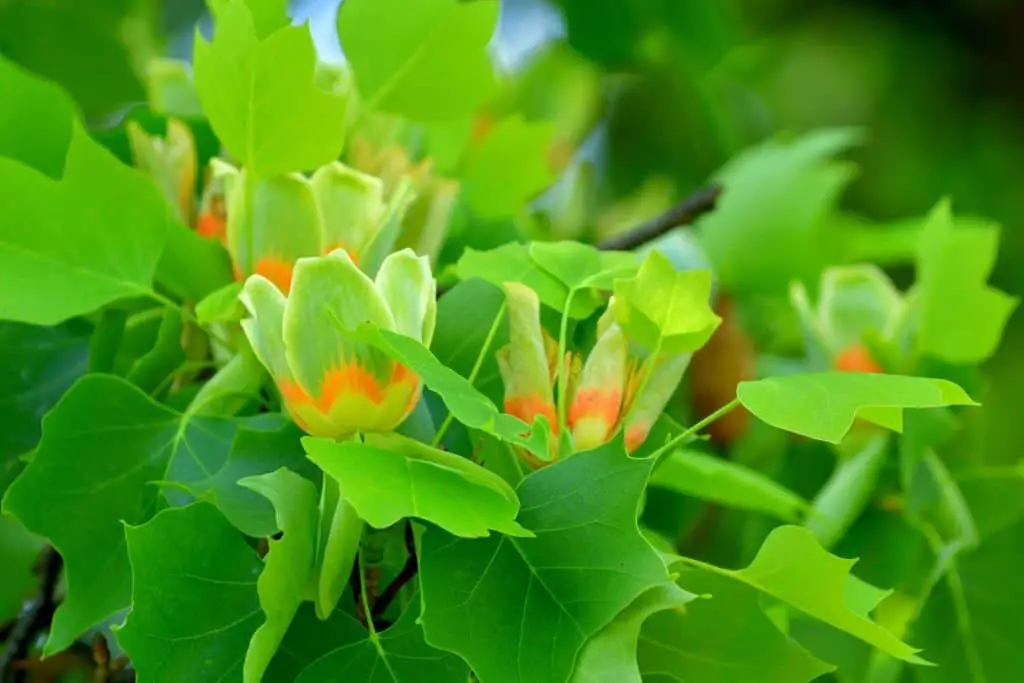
(563, 333)
(659, 454)
(363, 599)
(477, 366)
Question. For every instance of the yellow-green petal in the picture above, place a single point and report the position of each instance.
(271, 224)
(351, 206)
(266, 306)
(405, 282)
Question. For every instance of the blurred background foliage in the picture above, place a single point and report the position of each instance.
(649, 99)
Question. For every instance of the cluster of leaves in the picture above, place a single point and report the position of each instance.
(207, 539)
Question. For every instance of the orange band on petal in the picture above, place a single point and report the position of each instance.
(600, 403)
(276, 270)
(526, 408)
(212, 226)
(856, 359)
(635, 436)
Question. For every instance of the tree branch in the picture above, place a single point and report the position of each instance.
(405, 576)
(35, 617)
(684, 213)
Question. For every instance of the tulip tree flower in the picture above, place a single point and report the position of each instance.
(332, 385)
(273, 222)
(854, 303)
(612, 390)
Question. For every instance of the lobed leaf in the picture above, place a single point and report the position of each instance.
(725, 638)
(98, 228)
(103, 447)
(664, 309)
(824, 405)
(961, 316)
(194, 597)
(387, 484)
(521, 609)
(508, 168)
(261, 96)
(425, 61)
(288, 564)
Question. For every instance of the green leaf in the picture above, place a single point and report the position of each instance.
(37, 365)
(261, 96)
(341, 530)
(166, 356)
(340, 650)
(824, 405)
(465, 315)
(192, 266)
(509, 168)
(848, 491)
(468, 405)
(664, 309)
(426, 61)
(35, 120)
(961, 317)
(729, 483)
(288, 564)
(769, 227)
(93, 51)
(611, 655)
(257, 449)
(194, 602)
(20, 550)
(103, 446)
(726, 638)
(221, 306)
(267, 15)
(96, 233)
(793, 568)
(579, 265)
(385, 485)
(549, 594)
(512, 263)
(970, 624)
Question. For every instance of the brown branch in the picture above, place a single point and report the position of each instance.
(35, 617)
(405, 576)
(684, 213)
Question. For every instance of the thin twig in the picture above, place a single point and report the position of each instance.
(405, 576)
(684, 213)
(35, 617)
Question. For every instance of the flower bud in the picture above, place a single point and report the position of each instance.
(272, 222)
(212, 221)
(332, 385)
(170, 162)
(611, 390)
(854, 302)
